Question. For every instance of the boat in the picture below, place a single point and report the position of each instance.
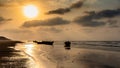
(44, 42)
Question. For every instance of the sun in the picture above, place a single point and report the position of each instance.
(30, 11)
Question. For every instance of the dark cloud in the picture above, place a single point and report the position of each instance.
(4, 20)
(92, 17)
(66, 10)
(49, 22)
(77, 4)
(59, 11)
(104, 14)
(89, 22)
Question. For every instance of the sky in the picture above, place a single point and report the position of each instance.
(60, 20)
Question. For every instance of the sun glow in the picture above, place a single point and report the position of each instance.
(29, 47)
(30, 11)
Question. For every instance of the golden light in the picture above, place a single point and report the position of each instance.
(30, 11)
(29, 47)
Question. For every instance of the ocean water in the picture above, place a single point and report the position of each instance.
(99, 45)
(81, 54)
(102, 45)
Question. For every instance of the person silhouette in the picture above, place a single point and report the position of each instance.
(67, 45)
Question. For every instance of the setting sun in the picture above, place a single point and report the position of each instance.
(30, 11)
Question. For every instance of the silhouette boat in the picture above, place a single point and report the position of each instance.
(44, 42)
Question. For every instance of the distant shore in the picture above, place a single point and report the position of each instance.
(5, 44)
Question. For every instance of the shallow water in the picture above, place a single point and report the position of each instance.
(31, 55)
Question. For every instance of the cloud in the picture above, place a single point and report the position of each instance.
(113, 23)
(17, 34)
(78, 4)
(92, 17)
(60, 11)
(49, 22)
(50, 29)
(89, 23)
(13, 3)
(8, 3)
(2, 20)
(16, 31)
(104, 14)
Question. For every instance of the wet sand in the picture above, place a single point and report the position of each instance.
(30, 55)
(12, 58)
(57, 56)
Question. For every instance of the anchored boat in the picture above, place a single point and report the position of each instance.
(45, 42)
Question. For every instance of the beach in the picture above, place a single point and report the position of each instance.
(59, 33)
(57, 56)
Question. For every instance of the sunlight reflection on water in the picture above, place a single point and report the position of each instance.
(56, 56)
(32, 50)
(29, 47)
